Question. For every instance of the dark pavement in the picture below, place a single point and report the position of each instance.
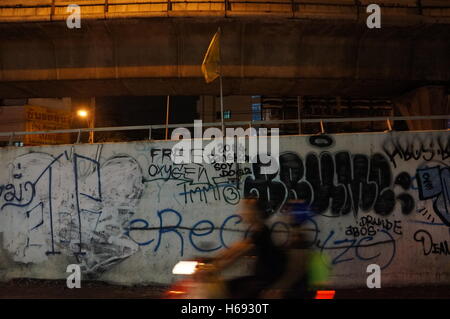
(56, 289)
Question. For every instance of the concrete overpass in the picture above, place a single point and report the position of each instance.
(281, 47)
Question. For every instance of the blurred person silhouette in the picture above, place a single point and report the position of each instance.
(270, 260)
(295, 281)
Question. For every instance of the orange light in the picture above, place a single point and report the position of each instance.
(82, 113)
(176, 292)
(325, 294)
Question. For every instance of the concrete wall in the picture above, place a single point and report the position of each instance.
(127, 214)
(12, 119)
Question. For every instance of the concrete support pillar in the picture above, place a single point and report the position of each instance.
(428, 100)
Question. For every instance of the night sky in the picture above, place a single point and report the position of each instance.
(142, 110)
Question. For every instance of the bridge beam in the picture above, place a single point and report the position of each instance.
(163, 56)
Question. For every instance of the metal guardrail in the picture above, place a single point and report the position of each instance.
(55, 9)
(227, 4)
(169, 3)
(299, 122)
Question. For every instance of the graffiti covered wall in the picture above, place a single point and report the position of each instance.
(127, 214)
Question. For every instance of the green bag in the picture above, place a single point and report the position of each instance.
(318, 269)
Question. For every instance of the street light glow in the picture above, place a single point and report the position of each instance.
(82, 113)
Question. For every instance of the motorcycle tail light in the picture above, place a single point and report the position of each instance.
(325, 294)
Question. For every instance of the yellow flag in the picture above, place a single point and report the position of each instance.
(211, 62)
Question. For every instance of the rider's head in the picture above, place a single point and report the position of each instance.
(253, 210)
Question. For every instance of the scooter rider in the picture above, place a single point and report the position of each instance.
(270, 259)
(294, 282)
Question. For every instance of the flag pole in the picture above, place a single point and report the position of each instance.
(220, 82)
(167, 115)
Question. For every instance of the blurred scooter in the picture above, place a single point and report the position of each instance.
(202, 281)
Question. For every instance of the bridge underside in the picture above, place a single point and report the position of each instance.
(159, 56)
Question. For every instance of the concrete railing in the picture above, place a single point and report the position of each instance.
(56, 10)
